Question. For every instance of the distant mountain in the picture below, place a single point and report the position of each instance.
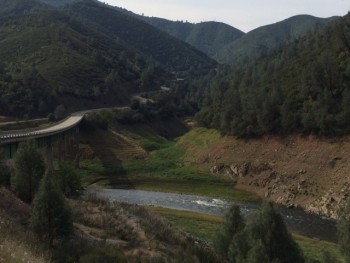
(58, 2)
(209, 37)
(169, 51)
(264, 39)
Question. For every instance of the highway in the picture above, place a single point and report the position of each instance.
(21, 135)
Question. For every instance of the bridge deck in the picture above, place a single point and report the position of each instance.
(21, 135)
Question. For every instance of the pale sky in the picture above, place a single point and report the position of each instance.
(242, 14)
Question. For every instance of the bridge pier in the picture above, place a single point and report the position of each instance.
(64, 136)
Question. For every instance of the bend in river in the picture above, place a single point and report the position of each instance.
(298, 221)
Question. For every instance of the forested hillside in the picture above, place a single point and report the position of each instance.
(209, 37)
(303, 87)
(81, 56)
(263, 40)
(170, 52)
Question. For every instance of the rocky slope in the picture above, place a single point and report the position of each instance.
(296, 171)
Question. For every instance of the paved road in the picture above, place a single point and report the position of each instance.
(20, 135)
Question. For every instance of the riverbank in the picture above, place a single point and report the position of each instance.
(139, 157)
(204, 226)
(297, 221)
(296, 171)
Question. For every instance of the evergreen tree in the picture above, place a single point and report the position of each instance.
(233, 224)
(51, 216)
(29, 168)
(265, 239)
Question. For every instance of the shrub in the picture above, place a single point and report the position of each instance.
(28, 170)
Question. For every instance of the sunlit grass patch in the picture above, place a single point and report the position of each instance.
(313, 248)
(200, 225)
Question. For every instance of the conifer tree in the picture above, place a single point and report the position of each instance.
(265, 239)
(232, 225)
(51, 217)
(29, 168)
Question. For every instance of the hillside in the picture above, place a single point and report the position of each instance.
(302, 88)
(86, 55)
(264, 39)
(66, 63)
(17, 7)
(170, 52)
(58, 2)
(209, 37)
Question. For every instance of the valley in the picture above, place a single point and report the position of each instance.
(209, 144)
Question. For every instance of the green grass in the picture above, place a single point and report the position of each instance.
(313, 248)
(200, 225)
(205, 226)
(165, 169)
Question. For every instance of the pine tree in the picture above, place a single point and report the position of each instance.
(29, 168)
(233, 224)
(265, 239)
(51, 217)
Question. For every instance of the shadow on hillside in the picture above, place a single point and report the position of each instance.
(113, 171)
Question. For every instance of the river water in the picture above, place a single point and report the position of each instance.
(298, 221)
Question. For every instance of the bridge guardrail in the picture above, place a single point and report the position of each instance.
(19, 135)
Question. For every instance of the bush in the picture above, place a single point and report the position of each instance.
(100, 119)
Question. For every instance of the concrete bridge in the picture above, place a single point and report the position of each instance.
(64, 133)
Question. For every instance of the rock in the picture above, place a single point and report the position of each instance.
(302, 171)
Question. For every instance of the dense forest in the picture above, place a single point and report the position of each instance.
(84, 55)
(263, 40)
(301, 88)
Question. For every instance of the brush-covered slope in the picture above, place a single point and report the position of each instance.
(50, 58)
(58, 2)
(170, 52)
(209, 37)
(17, 7)
(82, 55)
(264, 39)
(303, 87)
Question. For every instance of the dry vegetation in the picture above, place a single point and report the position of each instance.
(104, 231)
(136, 232)
(17, 242)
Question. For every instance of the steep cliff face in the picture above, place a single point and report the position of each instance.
(296, 171)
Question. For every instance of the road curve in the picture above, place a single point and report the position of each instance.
(22, 135)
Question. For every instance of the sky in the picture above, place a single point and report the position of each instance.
(242, 14)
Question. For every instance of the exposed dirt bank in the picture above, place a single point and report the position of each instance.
(295, 171)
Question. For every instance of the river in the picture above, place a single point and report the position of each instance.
(298, 221)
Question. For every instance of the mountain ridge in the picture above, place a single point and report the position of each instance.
(265, 39)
